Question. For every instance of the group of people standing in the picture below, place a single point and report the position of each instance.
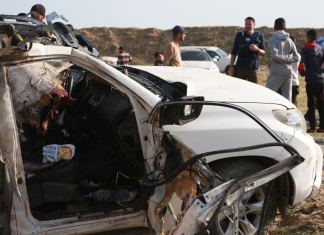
(284, 58)
(285, 63)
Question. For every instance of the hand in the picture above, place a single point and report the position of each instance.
(43, 129)
(60, 91)
(231, 71)
(253, 47)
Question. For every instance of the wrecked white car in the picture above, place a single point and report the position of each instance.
(87, 148)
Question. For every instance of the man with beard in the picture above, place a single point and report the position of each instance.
(248, 45)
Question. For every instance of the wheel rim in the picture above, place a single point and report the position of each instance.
(250, 209)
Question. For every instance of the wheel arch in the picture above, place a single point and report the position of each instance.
(226, 70)
(285, 181)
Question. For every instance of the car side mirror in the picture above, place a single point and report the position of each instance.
(216, 58)
(181, 113)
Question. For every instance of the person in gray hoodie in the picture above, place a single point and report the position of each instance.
(283, 54)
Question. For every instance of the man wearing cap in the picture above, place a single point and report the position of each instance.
(37, 12)
(172, 50)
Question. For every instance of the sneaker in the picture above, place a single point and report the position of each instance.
(312, 130)
(320, 130)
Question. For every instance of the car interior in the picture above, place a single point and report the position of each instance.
(103, 175)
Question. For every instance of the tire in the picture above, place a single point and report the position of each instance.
(227, 70)
(251, 203)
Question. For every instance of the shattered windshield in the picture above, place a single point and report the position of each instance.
(158, 86)
(148, 85)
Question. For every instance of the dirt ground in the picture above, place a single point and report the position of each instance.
(305, 218)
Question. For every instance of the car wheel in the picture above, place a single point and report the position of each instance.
(251, 204)
(227, 70)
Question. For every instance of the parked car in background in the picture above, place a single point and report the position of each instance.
(219, 56)
(197, 58)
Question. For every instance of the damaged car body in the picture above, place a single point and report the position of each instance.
(130, 129)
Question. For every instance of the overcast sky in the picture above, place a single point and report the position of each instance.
(164, 14)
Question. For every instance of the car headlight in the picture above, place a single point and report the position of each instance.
(291, 117)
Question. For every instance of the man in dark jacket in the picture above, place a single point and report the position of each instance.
(248, 45)
(312, 56)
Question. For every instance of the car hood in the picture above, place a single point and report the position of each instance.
(215, 86)
(200, 64)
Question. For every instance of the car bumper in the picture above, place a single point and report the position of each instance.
(307, 176)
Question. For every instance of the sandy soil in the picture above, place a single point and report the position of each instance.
(305, 218)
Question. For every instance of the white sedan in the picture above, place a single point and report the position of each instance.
(232, 151)
(219, 56)
(197, 58)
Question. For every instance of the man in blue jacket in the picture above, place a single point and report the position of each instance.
(248, 45)
(312, 57)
